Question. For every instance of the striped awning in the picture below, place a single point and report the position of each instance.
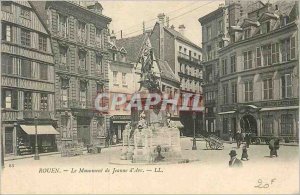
(41, 129)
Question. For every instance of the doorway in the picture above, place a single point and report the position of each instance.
(248, 124)
(83, 130)
(9, 141)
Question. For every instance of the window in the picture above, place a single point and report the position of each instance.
(285, 50)
(220, 27)
(232, 38)
(224, 66)
(209, 74)
(6, 6)
(81, 31)
(115, 77)
(221, 44)
(286, 124)
(286, 84)
(100, 88)
(267, 125)
(124, 82)
(208, 30)
(82, 60)
(26, 68)
(42, 42)
(63, 55)
(275, 53)
(258, 57)
(225, 91)
(265, 27)
(98, 37)
(62, 25)
(248, 91)
(233, 63)
(180, 48)
(83, 94)
(266, 54)
(293, 47)
(284, 21)
(6, 64)
(247, 33)
(268, 89)
(27, 100)
(234, 92)
(209, 53)
(44, 101)
(99, 63)
(9, 99)
(25, 37)
(43, 72)
(114, 56)
(25, 13)
(64, 93)
(247, 60)
(6, 32)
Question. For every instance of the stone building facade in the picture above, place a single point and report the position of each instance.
(79, 33)
(258, 85)
(27, 83)
(185, 60)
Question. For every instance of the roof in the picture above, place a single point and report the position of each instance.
(178, 35)
(132, 45)
(40, 9)
(166, 71)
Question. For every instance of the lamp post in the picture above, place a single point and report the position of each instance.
(194, 139)
(36, 155)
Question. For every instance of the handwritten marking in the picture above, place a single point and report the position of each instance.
(262, 184)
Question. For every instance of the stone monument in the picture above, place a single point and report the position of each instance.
(154, 138)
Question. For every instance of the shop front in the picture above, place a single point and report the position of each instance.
(118, 124)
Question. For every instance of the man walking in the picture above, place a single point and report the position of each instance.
(234, 162)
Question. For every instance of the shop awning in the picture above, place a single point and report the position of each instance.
(41, 129)
(228, 112)
(121, 122)
(279, 108)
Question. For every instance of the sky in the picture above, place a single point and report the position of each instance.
(128, 16)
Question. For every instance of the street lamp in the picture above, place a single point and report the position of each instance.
(36, 155)
(194, 139)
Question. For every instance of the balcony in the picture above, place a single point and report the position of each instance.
(29, 114)
(188, 58)
(9, 115)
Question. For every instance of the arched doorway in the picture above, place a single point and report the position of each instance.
(248, 124)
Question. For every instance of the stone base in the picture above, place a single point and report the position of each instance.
(167, 138)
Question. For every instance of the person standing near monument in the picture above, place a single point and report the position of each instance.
(234, 162)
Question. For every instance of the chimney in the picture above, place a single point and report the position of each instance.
(161, 18)
(113, 37)
(172, 27)
(168, 21)
(181, 29)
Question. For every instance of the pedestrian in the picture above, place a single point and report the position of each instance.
(107, 140)
(248, 139)
(234, 162)
(238, 138)
(273, 146)
(114, 138)
(245, 152)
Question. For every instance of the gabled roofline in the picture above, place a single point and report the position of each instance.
(39, 17)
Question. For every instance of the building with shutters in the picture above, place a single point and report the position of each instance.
(28, 78)
(258, 84)
(185, 61)
(79, 34)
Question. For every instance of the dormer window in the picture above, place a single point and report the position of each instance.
(284, 20)
(247, 33)
(265, 27)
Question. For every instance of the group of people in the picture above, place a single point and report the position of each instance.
(234, 162)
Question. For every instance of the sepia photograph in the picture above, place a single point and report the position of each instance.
(150, 97)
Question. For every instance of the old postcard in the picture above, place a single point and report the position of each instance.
(150, 97)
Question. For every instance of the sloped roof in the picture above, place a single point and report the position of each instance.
(40, 7)
(178, 35)
(132, 45)
(285, 7)
(166, 71)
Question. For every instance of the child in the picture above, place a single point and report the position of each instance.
(244, 154)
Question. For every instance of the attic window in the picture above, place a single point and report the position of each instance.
(284, 20)
(265, 27)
